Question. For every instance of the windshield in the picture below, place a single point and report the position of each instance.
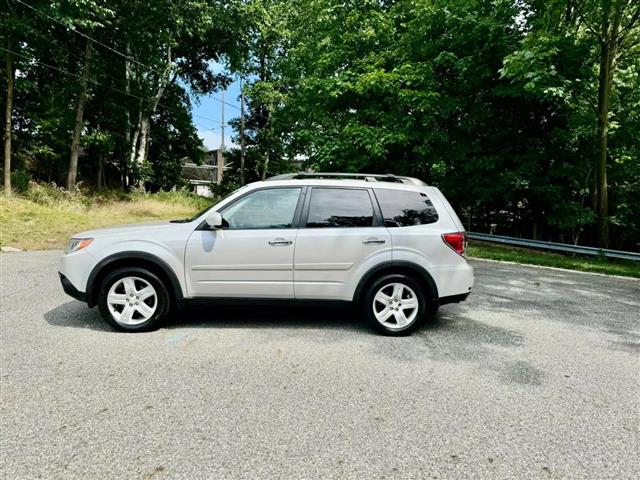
(205, 210)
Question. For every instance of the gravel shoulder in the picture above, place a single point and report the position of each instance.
(537, 375)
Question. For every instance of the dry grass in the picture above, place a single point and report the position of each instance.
(31, 225)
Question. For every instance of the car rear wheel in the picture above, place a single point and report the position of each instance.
(133, 300)
(394, 305)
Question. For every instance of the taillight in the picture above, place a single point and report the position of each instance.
(457, 241)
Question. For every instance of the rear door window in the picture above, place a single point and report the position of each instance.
(401, 208)
(339, 207)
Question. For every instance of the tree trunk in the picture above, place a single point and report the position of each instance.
(266, 166)
(134, 140)
(604, 94)
(124, 174)
(608, 51)
(242, 145)
(141, 154)
(7, 121)
(77, 129)
(144, 128)
(100, 172)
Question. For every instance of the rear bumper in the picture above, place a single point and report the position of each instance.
(453, 280)
(70, 290)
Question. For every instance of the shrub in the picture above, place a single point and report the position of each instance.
(20, 181)
(51, 194)
(45, 193)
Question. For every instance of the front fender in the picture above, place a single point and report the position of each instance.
(159, 255)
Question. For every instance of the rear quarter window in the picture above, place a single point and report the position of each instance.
(404, 209)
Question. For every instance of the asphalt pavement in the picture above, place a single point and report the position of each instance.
(537, 375)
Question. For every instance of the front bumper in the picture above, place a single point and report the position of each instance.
(70, 290)
(453, 298)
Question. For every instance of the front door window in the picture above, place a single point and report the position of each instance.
(263, 209)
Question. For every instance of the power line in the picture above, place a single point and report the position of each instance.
(73, 29)
(124, 55)
(94, 82)
(206, 118)
(75, 75)
(60, 47)
(70, 74)
(225, 103)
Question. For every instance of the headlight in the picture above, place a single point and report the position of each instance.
(77, 244)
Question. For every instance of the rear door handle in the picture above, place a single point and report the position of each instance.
(279, 242)
(373, 241)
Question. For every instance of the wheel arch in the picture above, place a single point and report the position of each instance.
(417, 272)
(132, 259)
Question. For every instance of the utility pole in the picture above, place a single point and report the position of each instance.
(222, 119)
(241, 133)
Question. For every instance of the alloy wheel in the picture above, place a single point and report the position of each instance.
(395, 306)
(132, 301)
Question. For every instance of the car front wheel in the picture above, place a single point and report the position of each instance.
(133, 300)
(394, 305)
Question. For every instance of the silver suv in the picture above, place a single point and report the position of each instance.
(392, 245)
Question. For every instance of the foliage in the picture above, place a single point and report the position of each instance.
(491, 101)
(497, 103)
(134, 44)
(51, 194)
(20, 180)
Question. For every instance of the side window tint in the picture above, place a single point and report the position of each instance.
(403, 209)
(339, 207)
(269, 208)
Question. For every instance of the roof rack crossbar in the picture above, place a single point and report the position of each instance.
(368, 177)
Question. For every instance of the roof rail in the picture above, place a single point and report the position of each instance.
(368, 177)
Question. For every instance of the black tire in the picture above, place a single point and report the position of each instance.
(162, 307)
(382, 283)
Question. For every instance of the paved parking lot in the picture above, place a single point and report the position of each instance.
(537, 375)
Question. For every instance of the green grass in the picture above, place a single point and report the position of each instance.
(45, 217)
(534, 257)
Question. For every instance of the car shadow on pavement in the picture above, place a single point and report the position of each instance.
(77, 315)
(272, 316)
(451, 326)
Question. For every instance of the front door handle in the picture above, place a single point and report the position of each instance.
(279, 242)
(373, 241)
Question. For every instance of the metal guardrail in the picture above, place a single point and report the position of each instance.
(559, 247)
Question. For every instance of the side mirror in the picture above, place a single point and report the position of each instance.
(214, 220)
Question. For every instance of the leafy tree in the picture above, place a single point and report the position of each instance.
(491, 101)
(115, 71)
(265, 46)
(573, 52)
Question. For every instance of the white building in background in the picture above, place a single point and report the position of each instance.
(211, 171)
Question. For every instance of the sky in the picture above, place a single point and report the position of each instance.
(207, 111)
